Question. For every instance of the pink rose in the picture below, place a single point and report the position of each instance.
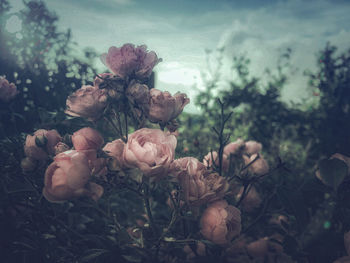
(198, 185)
(252, 147)
(164, 107)
(220, 222)
(48, 141)
(128, 60)
(115, 149)
(68, 177)
(259, 166)
(7, 90)
(87, 139)
(150, 150)
(87, 102)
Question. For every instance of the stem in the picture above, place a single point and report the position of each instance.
(148, 209)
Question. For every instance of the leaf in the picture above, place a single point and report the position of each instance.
(332, 172)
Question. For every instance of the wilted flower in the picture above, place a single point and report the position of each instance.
(68, 177)
(208, 160)
(150, 150)
(164, 107)
(258, 165)
(87, 102)
(46, 139)
(87, 139)
(198, 185)
(111, 83)
(139, 95)
(7, 90)
(128, 60)
(220, 222)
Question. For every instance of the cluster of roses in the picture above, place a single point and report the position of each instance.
(152, 151)
(7, 90)
(126, 89)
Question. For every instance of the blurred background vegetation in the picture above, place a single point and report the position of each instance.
(43, 64)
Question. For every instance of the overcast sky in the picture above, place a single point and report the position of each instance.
(180, 31)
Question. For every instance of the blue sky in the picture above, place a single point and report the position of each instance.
(181, 30)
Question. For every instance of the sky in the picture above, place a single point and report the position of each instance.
(182, 32)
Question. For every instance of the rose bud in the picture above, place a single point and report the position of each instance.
(251, 200)
(87, 139)
(28, 165)
(33, 151)
(198, 185)
(252, 147)
(164, 107)
(115, 150)
(139, 95)
(7, 90)
(61, 147)
(68, 176)
(220, 222)
(150, 150)
(128, 61)
(87, 102)
(258, 248)
(259, 166)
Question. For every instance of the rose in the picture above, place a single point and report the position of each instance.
(87, 102)
(113, 84)
(252, 147)
(47, 140)
(128, 60)
(199, 250)
(139, 95)
(220, 222)
(150, 150)
(251, 199)
(87, 139)
(164, 107)
(198, 185)
(234, 147)
(258, 248)
(7, 90)
(68, 177)
(115, 150)
(257, 164)
(61, 147)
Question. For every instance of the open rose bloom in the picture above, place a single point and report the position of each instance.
(87, 139)
(150, 150)
(68, 177)
(198, 185)
(164, 107)
(87, 102)
(220, 223)
(130, 60)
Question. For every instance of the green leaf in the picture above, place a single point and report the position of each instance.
(332, 172)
